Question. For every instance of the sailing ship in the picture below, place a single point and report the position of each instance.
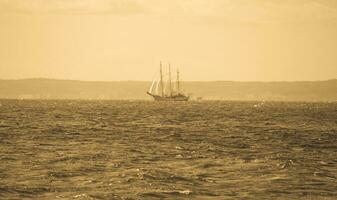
(167, 90)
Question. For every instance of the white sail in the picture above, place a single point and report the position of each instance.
(157, 86)
(153, 82)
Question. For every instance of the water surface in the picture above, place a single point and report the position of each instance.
(153, 150)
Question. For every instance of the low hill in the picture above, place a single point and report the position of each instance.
(213, 90)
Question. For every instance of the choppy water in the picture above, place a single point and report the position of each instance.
(152, 150)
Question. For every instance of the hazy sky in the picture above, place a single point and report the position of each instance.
(243, 40)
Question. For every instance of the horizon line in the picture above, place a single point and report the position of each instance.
(249, 81)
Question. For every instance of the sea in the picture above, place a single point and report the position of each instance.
(90, 149)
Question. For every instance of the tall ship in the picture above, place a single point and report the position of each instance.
(164, 89)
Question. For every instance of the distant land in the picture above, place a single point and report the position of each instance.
(212, 90)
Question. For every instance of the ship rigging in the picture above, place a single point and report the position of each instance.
(169, 90)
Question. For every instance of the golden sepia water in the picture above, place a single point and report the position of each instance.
(156, 150)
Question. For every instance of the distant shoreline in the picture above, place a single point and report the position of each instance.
(151, 100)
(147, 81)
(40, 88)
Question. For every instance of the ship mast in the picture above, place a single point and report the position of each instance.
(170, 80)
(161, 81)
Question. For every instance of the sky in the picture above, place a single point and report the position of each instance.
(112, 40)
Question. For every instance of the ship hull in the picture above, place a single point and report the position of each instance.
(170, 98)
(158, 98)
